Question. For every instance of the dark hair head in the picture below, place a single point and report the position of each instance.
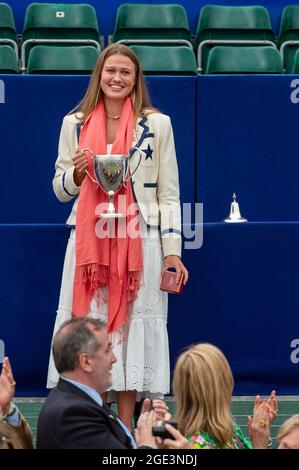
(74, 337)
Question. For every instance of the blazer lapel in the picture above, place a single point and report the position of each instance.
(111, 415)
(142, 132)
(115, 425)
(140, 135)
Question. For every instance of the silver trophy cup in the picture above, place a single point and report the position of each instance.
(111, 172)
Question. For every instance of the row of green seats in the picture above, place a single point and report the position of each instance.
(217, 25)
(242, 25)
(69, 25)
(180, 59)
(81, 60)
(170, 60)
(51, 60)
(72, 25)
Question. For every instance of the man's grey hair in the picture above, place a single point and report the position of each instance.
(74, 337)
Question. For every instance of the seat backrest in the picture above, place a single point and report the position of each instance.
(289, 25)
(295, 66)
(148, 21)
(262, 59)
(8, 60)
(7, 23)
(62, 60)
(289, 56)
(289, 31)
(47, 20)
(170, 60)
(234, 22)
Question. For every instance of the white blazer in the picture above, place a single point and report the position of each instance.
(155, 182)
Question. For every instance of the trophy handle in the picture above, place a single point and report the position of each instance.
(87, 149)
(140, 157)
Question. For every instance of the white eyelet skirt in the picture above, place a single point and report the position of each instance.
(143, 358)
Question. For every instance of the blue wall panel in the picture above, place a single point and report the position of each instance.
(248, 144)
(243, 296)
(30, 124)
(31, 263)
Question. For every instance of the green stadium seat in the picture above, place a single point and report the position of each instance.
(8, 33)
(62, 60)
(148, 23)
(61, 24)
(229, 60)
(239, 25)
(8, 60)
(169, 60)
(295, 65)
(289, 36)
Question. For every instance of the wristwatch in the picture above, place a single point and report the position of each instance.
(270, 442)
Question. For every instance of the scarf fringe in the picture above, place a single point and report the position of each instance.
(120, 334)
(134, 283)
(94, 274)
(101, 296)
(130, 294)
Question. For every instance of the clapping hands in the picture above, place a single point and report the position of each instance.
(264, 412)
(7, 387)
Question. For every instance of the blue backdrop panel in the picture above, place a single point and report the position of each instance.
(248, 144)
(30, 124)
(243, 297)
(31, 262)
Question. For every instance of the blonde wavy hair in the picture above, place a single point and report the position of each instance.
(203, 385)
(288, 426)
(140, 97)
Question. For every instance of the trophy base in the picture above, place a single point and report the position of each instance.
(235, 221)
(114, 215)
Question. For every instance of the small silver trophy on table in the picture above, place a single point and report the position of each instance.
(235, 214)
(111, 172)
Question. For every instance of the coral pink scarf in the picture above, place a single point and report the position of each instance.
(115, 263)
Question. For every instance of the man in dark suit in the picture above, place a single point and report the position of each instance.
(74, 415)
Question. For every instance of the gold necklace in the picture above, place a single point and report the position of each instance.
(112, 117)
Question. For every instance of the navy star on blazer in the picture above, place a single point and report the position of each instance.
(148, 152)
